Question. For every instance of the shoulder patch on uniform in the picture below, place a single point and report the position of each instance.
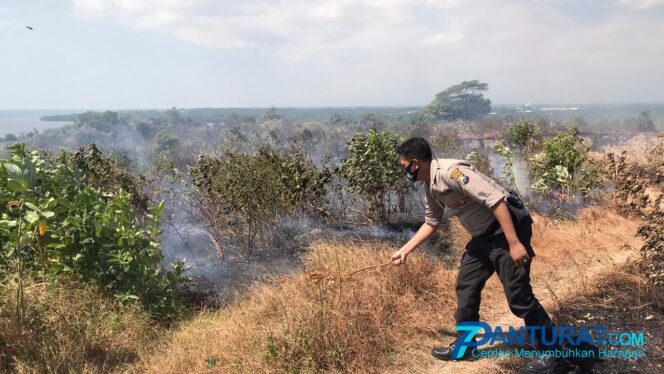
(457, 175)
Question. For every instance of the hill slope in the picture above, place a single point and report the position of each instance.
(381, 320)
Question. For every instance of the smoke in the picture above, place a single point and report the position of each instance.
(521, 175)
(127, 140)
(184, 238)
(519, 169)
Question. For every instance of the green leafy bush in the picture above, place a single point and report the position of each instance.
(371, 167)
(302, 183)
(53, 222)
(519, 133)
(563, 165)
(166, 141)
(242, 196)
(107, 173)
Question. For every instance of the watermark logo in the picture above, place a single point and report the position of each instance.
(582, 342)
(467, 339)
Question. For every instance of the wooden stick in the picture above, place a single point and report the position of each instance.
(367, 268)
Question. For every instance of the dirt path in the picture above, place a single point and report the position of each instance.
(569, 258)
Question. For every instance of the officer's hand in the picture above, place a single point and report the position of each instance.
(399, 257)
(519, 254)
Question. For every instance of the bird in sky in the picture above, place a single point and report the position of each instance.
(29, 28)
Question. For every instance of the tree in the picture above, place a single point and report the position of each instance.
(269, 115)
(173, 115)
(147, 129)
(166, 141)
(372, 121)
(461, 101)
(101, 121)
(519, 133)
(646, 123)
(371, 167)
(273, 185)
(338, 118)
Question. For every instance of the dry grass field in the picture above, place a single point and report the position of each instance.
(385, 319)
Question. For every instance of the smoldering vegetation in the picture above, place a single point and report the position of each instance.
(270, 212)
(246, 193)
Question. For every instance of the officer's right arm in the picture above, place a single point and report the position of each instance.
(433, 214)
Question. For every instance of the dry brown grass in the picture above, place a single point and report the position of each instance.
(69, 329)
(641, 149)
(318, 320)
(381, 320)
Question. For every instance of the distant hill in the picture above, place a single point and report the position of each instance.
(553, 111)
(289, 114)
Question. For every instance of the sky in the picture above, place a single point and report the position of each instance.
(133, 54)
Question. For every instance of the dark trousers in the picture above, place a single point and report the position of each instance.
(483, 257)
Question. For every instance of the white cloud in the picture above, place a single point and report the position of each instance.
(292, 29)
(642, 4)
(442, 39)
(432, 42)
(3, 12)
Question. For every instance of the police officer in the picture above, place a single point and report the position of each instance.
(501, 228)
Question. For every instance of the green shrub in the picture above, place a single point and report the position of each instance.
(165, 141)
(303, 185)
(371, 167)
(481, 162)
(563, 166)
(55, 223)
(242, 196)
(108, 174)
(519, 133)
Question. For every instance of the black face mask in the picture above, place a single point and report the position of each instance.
(412, 177)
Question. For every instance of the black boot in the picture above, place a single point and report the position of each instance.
(548, 364)
(445, 353)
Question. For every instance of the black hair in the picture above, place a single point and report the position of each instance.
(415, 148)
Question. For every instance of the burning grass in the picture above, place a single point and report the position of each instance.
(379, 320)
(319, 320)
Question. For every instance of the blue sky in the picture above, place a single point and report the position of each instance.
(97, 54)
